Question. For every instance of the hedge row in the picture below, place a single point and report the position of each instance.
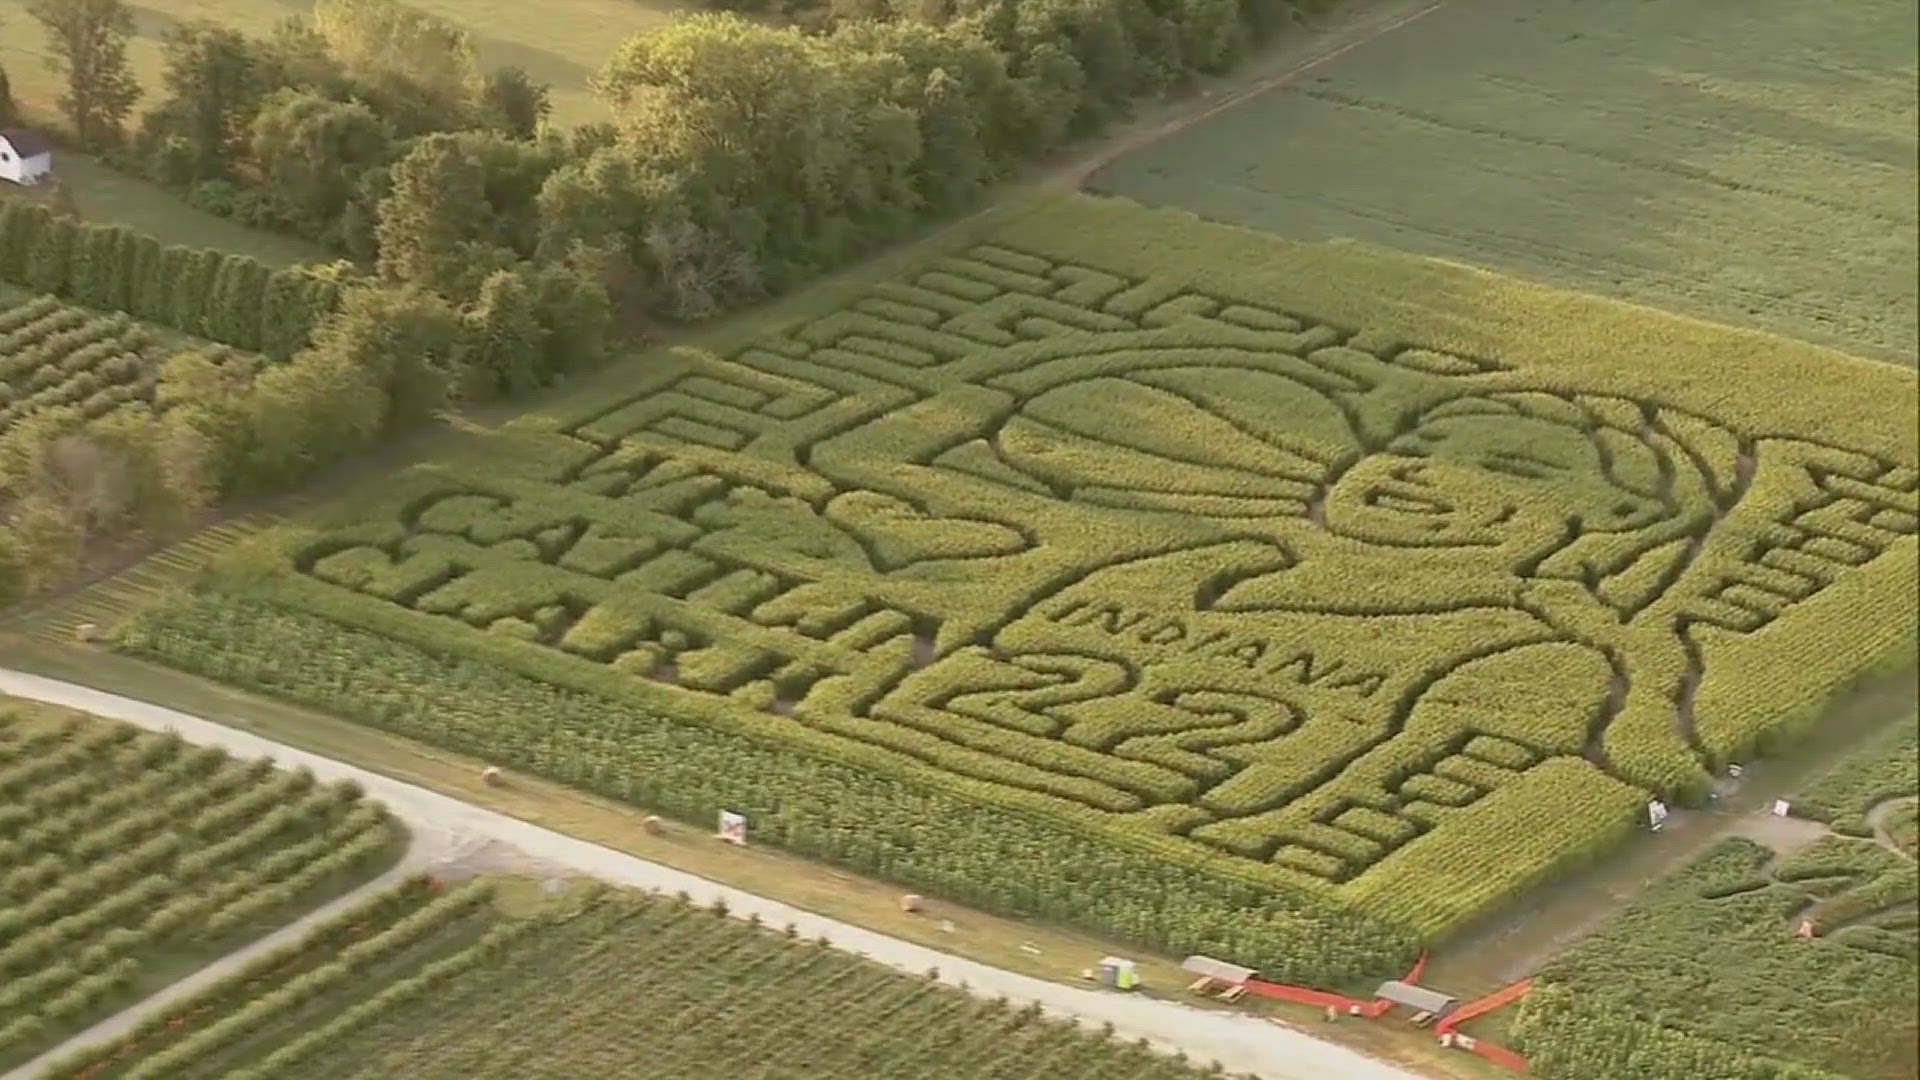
(232, 299)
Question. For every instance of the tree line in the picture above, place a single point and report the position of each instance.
(331, 363)
(487, 251)
(737, 158)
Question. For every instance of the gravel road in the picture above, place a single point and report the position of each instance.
(443, 826)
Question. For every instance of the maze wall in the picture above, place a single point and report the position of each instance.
(1340, 611)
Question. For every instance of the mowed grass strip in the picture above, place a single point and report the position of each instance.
(1755, 168)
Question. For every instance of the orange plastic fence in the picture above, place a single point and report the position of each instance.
(1473, 1009)
(1419, 969)
(1328, 999)
(1304, 996)
(1448, 1029)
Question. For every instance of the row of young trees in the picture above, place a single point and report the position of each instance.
(231, 299)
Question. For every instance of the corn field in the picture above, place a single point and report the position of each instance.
(1186, 547)
(124, 853)
(445, 986)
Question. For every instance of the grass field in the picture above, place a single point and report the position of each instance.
(475, 982)
(990, 543)
(1754, 166)
(559, 42)
(1706, 975)
(128, 859)
(104, 196)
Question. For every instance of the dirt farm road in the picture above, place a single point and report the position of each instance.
(448, 832)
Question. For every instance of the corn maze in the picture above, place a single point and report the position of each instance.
(1808, 950)
(53, 355)
(1262, 588)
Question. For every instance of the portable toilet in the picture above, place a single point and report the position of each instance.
(1119, 974)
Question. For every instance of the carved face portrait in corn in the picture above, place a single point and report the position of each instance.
(1487, 472)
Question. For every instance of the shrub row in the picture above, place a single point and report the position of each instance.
(135, 845)
(232, 299)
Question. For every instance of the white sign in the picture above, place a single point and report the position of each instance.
(733, 827)
(1656, 814)
(1780, 807)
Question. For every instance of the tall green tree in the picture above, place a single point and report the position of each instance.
(429, 218)
(89, 43)
(418, 69)
(20, 225)
(407, 340)
(507, 346)
(312, 153)
(213, 91)
(787, 124)
(50, 265)
(307, 414)
(9, 112)
(512, 104)
(14, 577)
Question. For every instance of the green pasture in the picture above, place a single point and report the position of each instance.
(559, 42)
(1750, 163)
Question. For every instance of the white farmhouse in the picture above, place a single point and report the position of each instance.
(26, 157)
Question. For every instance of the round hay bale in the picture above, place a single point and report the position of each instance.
(652, 825)
(491, 776)
(911, 904)
(86, 633)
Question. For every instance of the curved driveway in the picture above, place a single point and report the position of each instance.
(1241, 1043)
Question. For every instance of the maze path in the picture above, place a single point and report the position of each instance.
(1295, 548)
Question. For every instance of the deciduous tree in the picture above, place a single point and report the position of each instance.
(312, 153)
(437, 205)
(14, 577)
(418, 68)
(507, 345)
(89, 43)
(213, 91)
(9, 113)
(512, 104)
